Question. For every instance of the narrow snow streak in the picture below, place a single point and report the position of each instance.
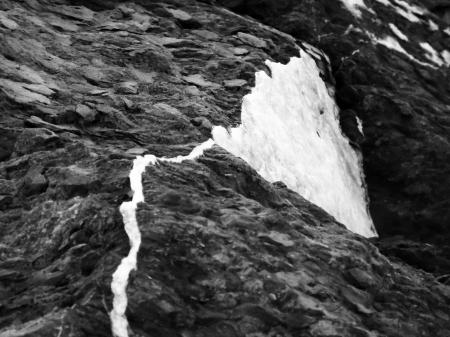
(355, 6)
(404, 9)
(433, 26)
(446, 57)
(431, 53)
(392, 43)
(290, 132)
(119, 283)
(398, 32)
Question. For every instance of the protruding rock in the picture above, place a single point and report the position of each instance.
(234, 84)
(252, 40)
(7, 141)
(86, 113)
(19, 93)
(185, 19)
(72, 180)
(31, 140)
(7, 187)
(7, 22)
(202, 122)
(206, 34)
(76, 12)
(361, 278)
(127, 88)
(34, 182)
(199, 80)
(240, 51)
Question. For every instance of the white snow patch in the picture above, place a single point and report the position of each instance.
(398, 32)
(431, 53)
(354, 6)
(411, 8)
(119, 322)
(360, 125)
(392, 43)
(407, 14)
(385, 2)
(290, 132)
(433, 26)
(447, 30)
(404, 9)
(352, 28)
(409, 11)
(446, 57)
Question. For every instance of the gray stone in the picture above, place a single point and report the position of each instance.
(236, 83)
(7, 187)
(86, 113)
(34, 182)
(127, 88)
(252, 40)
(198, 80)
(7, 22)
(36, 139)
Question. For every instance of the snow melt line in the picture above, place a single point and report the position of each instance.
(119, 322)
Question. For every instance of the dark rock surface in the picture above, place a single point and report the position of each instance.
(404, 106)
(85, 86)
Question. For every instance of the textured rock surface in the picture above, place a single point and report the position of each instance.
(85, 86)
(404, 105)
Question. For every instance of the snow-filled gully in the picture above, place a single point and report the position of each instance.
(290, 132)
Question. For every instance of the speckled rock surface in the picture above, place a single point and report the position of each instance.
(85, 86)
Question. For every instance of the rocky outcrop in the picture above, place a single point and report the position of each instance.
(401, 96)
(85, 86)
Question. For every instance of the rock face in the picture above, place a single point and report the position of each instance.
(85, 86)
(386, 76)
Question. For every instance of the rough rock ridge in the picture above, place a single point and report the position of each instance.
(85, 86)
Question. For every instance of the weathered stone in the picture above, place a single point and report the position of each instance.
(206, 34)
(96, 76)
(31, 140)
(232, 84)
(72, 180)
(240, 51)
(7, 22)
(359, 299)
(127, 88)
(7, 141)
(86, 113)
(34, 182)
(77, 12)
(198, 80)
(223, 252)
(361, 278)
(185, 19)
(7, 187)
(19, 93)
(252, 40)
(202, 122)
